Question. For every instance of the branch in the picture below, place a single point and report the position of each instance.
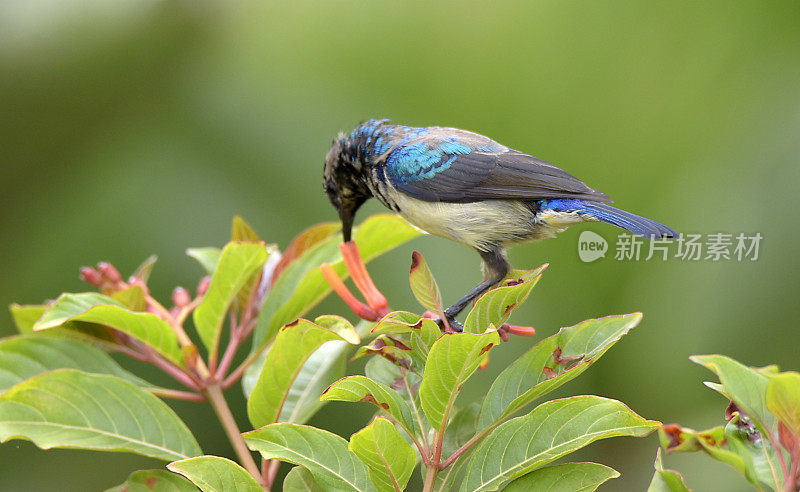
(449, 461)
(150, 356)
(217, 399)
(774, 443)
(270, 470)
(237, 373)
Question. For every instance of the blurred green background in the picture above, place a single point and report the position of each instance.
(136, 127)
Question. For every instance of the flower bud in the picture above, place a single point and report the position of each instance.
(91, 276)
(181, 297)
(108, 272)
(521, 331)
(503, 335)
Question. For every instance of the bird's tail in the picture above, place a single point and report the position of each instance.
(605, 213)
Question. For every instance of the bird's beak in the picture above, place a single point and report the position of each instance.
(346, 215)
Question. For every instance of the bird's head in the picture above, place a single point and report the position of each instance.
(344, 182)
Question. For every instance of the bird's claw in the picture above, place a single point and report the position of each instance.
(454, 325)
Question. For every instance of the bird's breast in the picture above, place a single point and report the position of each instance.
(480, 225)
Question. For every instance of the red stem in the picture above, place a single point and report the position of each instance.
(227, 357)
(132, 353)
(790, 484)
(237, 373)
(271, 471)
(449, 461)
(150, 356)
(220, 405)
(774, 443)
(185, 379)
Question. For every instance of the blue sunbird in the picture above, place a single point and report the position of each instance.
(466, 187)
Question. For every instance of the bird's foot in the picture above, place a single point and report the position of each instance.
(453, 324)
(376, 306)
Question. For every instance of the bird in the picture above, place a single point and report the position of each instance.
(465, 187)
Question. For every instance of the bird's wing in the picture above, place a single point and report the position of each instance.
(451, 165)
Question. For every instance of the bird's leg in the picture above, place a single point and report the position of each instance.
(495, 267)
(458, 306)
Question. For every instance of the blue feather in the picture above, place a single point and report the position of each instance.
(413, 160)
(641, 226)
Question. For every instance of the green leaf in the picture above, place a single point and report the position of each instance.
(237, 264)
(96, 335)
(666, 480)
(207, 257)
(25, 316)
(392, 349)
(299, 479)
(241, 231)
(25, 356)
(677, 439)
(757, 460)
(326, 365)
(293, 346)
(341, 327)
(390, 459)
(97, 308)
(389, 374)
(724, 444)
(783, 399)
(360, 388)
(494, 307)
(145, 268)
(300, 286)
(72, 409)
(451, 361)
(132, 298)
(461, 428)
(551, 363)
(744, 385)
(548, 432)
(401, 323)
(325, 454)
(424, 286)
(424, 333)
(567, 477)
(215, 474)
(303, 242)
(154, 481)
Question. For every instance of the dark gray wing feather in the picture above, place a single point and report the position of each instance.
(507, 174)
